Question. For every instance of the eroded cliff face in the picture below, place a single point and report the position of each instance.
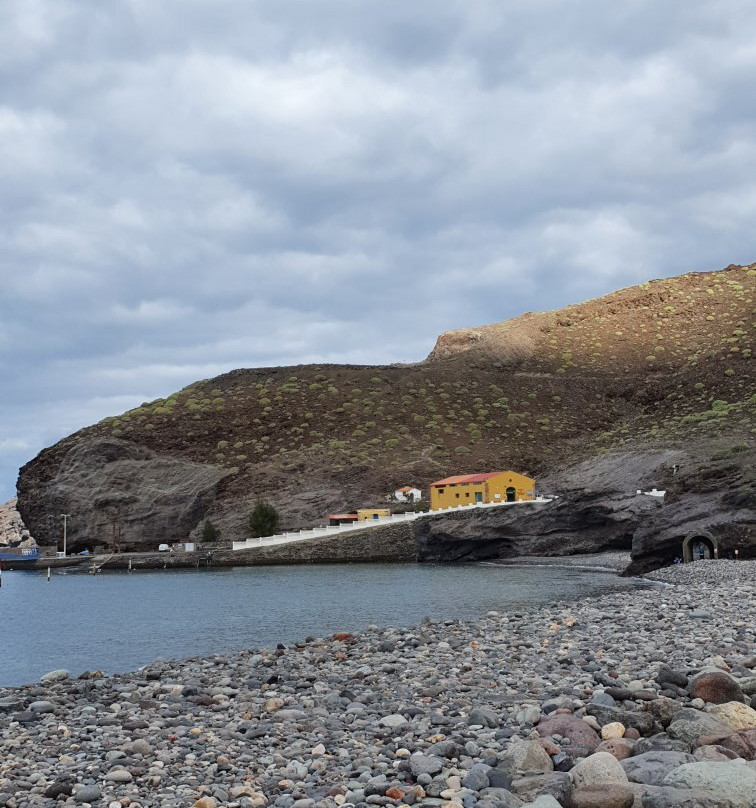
(116, 495)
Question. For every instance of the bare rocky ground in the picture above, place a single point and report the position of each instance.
(643, 698)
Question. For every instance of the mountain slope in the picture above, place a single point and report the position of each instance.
(660, 364)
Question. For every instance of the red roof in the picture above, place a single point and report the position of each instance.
(467, 478)
(342, 515)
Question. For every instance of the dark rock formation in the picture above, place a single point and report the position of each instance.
(116, 494)
(587, 523)
(598, 509)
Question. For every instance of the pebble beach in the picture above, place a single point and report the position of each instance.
(642, 698)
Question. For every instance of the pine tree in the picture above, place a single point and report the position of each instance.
(210, 533)
(263, 520)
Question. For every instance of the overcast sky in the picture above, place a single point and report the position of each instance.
(191, 186)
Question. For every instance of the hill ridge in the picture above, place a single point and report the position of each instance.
(662, 363)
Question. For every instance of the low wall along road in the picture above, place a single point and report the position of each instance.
(332, 530)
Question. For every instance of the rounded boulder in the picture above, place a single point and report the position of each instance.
(598, 769)
(715, 687)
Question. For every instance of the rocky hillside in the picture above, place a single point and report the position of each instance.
(663, 365)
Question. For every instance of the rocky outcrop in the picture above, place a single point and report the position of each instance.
(117, 494)
(13, 531)
(587, 523)
(598, 509)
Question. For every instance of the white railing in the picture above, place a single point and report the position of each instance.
(332, 530)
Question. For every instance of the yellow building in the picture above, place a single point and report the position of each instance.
(495, 486)
(365, 514)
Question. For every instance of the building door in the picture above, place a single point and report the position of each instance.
(375, 516)
(511, 494)
(478, 496)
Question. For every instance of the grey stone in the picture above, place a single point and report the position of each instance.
(689, 725)
(527, 756)
(426, 764)
(476, 778)
(119, 776)
(603, 698)
(601, 768)
(651, 768)
(668, 797)
(42, 707)
(670, 676)
(733, 780)
(51, 677)
(483, 716)
(90, 793)
(545, 801)
(661, 742)
(393, 721)
(643, 722)
(501, 798)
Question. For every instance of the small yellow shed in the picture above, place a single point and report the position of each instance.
(366, 514)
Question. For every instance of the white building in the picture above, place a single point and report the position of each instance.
(407, 494)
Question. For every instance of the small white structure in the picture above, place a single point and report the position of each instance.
(407, 494)
(652, 493)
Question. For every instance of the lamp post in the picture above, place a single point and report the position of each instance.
(65, 531)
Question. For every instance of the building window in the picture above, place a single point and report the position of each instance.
(457, 496)
(467, 494)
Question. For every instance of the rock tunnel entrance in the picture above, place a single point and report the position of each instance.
(699, 546)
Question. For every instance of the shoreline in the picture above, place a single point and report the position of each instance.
(437, 714)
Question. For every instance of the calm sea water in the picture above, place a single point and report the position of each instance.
(120, 621)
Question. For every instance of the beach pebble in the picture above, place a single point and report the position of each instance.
(521, 707)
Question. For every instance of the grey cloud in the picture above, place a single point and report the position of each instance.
(195, 186)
